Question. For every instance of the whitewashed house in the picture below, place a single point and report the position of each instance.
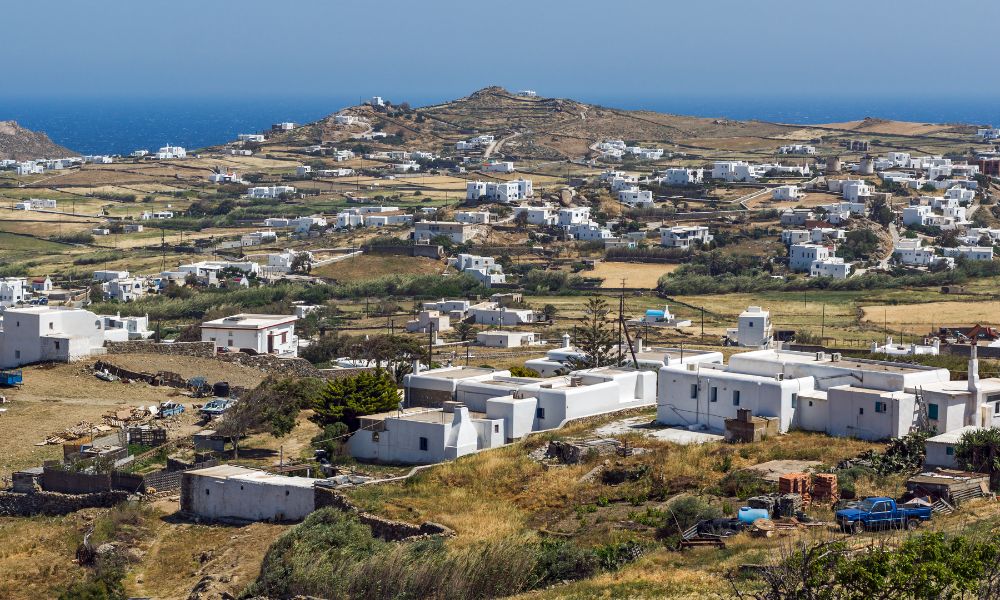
(260, 334)
(681, 176)
(786, 193)
(832, 266)
(45, 333)
(685, 236)
(801, 256)
(270, 192)
(169, 152)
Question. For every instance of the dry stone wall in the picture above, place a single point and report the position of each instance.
(15, 504)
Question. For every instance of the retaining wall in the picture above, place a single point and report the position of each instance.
(15, 504)
(198, 349)
(386, 529)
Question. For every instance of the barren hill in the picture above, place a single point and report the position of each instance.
(559, 128)
(19, 143)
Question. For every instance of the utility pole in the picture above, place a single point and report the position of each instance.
(822, 327)
(621, 313)
(430, 344)
(702, 324)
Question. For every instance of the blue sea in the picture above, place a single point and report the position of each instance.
(120, 125)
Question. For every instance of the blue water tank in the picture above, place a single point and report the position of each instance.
(749, 515)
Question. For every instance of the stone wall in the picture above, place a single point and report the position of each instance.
(198, 349)
(385, 529)
(14, 504)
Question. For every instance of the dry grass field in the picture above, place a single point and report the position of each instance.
(365, 267)
(636, 275)
(907, 316)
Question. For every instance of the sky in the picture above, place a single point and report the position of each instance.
(441, 49)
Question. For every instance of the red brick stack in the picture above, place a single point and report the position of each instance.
(796, 483)
(825, 487)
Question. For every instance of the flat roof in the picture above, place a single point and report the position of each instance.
(952, 437)
(456, 372)
(246, 474)
(960, 387)
(249, 321)
(862, 364)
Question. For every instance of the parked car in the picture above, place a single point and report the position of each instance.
(169, 409)
(216, 407)
(881, 513)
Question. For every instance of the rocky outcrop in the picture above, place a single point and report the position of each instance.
(19, 143)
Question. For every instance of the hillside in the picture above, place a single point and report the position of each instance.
(537, 128)
(19, 143)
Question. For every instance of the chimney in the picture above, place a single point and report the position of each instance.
(638, 343)
(973, 370)
(972, 405)
(566, 340)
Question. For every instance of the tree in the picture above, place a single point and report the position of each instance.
(521, 219)
(301, 263)
(595, 338)
(465, 330)
(273, 406)
(979, 451)
(549, 311)
(346, 399)
(881, 212)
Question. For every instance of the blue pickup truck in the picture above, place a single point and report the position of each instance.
(880, 513)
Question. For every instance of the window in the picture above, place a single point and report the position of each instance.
(861, 410)
(950, 451)
(17, 354)
(694, 390)
(880, 507)
(52, 325)
(736, 397)
(713, 394)
(750, 324)
(932, 410)
(880, 407)
(996, 408)
(57, 344)
(208, 492)
(795, 400)
(423, 444)
(810, 403)
(496, 428)
(540, 413)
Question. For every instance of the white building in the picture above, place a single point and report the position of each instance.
(797, 217)
(544, 215)
(125, 289)
(429, 321)
(250, 137)
(499, 191)
(734, 171)
(970, 252)
(45, 333)
(797, 149)
(234, 492)
(483, 268)
(270, 192)
(258, 238)
(13, 291)
(753, 328)
(456, 232)
(910, 252)
(475, 217)
(680, 176)
(168, 152)
(469, 410)
(260, 334)
(492, 313)
(860, 398)
(786, 192)
(505, 339)
(499, 167)
(633, 196)
(685, 236)
(801, 256)
(831, 266)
